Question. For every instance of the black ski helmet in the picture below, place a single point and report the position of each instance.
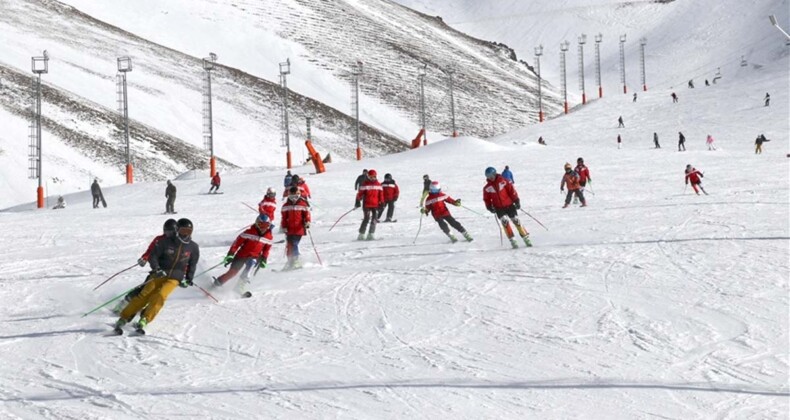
(170, 227)
(185, 225)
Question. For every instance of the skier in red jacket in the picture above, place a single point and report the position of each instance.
(693, 175)
(434, 204)
(571, 180)
(501, 198)
(391, 193)
(295, 222)
(584, 176)
(215, 181)
(250, 248)
(298, 182)
(268, 205)
(370, 196)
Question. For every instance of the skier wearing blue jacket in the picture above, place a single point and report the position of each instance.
(508, 175)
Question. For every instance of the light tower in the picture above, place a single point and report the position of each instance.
(642, 43)
(622, 63)
(598, 39)
(356, 73)
(125, 66)
(582, 41)
(208, 113)
(563, 49)
(538, 53)
(450, 72)
(774, 22)
(285, 70)
(40, 66)
(421, 79)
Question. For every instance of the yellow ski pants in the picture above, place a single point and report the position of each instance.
(154, 295)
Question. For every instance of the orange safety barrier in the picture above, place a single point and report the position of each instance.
(316, 158)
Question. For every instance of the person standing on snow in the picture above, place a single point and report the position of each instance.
(298, 182)
(287, 180)
(268, 205)
(370, 197)
(620, 122)
(360, 179)
(215, 181)
(250, 248)
(508, 175)
(295, 222)
(168, 231)
(693, 175)
(61, 204)
(571, 179)
(655, 140)
(767, 99)
(758, 144)
(170, 194)
(709, 142)
(434, 205)
(391, 193)
(426, 186)
(634, 96)
(173, 262)
(501, 198)
(681, 141)
(584, 176)
(97, 194)
(674, 98)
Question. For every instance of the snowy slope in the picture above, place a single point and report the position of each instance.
(651, 302)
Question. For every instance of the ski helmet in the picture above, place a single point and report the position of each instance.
(271, 192)
(567, 166)
(490, 172)
(184, 228)
(372, 173)
(580, 160)
(169, 227)
(388, 176)
(263, 222)
(435, 187)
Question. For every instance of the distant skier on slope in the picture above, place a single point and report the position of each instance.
(268, 205)
(709, 142)
(674, 98)
(655, 140)
(634, 96)
(571, 179)
(173, 261)
(295, 222)
(370, 197)
(619, 141)
(250, 248)
(584, 176)
(391, 193)
(758, 144)
(97, 194)
(508, 175)
(620, 123)
(61, 204)
(215, 181)
(681, 141)
(170, 194)
(435, 205)
(693, 175)
(287, 180)
(501, 198)
(767, 99)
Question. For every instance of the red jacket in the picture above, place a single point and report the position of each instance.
(391, 191)
(372, 193)
(268, 206)
(571, 179)
(215, 180)
(694, 176)
(304, 190)
(295, 215)
(252, 244)
(499, 193)
(584, 174)
(434, 203)
(151, 247)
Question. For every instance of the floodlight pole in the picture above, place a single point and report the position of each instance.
(285, 70)
(125, 66)
(598, 39)
(450, 71)
(421, 78)
(775, 23)
(642, 43)
(622, 63)
(582, 41)
(356, 73)
(208, 113)
(40, 65)
(538, 53)
(563, 49)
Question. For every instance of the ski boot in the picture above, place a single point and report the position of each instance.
(468, 237)
(513, 243)
(527, 242)
(370, 237)
(565, 206)
(584, 204)
(452, 237)
(118, 328)
(361, 237)
(296, 264)
(140, 325)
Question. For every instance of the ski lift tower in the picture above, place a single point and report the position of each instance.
(563, 49)
(356, 73)
(40, 66)
(622, 63)
(774, 22)
(598, 39)
(125, 66)
(285, 70)
(642, 43)
(538, 53)
(421, 78)
(450, 71)
(209, 63)
(582, 41)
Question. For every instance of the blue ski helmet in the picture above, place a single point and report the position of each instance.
(264, 218)
(263, 222)
(490, 172)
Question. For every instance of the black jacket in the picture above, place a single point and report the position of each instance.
(360, 179)
(178, 259)
(170, 191)
(95, 189)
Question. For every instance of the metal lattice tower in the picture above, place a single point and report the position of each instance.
(125, 66)
(538, 53)
(563, 73)
(642, 43)
(582, 41)
(285, 70)
(40, 66)
(598, 39)
(622, 63)
(423, 122)
(209, 63)
(356, 74)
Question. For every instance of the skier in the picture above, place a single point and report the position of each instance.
(693, 175)
(173, 261)
(571, 179)
(251, 248)
(691, 84)
(681, 141)
(634, 96)
(215, 181)
(708, 84)
(298, 182)
(434, 205)
(655, 140)
(541, 141)
(620, 122)
(391, 193)
(370, 196)
(61, 203)
(758, 144)
(268, 205)
(709, 142)
(287, 180)
(767, 99)
(360, 179)
(674, 98)
(295, 222)
(619, 141)
(426, 185)
(170, 193)
(168, 231)
(584, 176)
(97, 194)
(501, 198)
(508, 175)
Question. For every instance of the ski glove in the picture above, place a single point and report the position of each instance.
(307, 225)
(424, 210)
(517, 204)
(357, 204)
(491, 209)
(141, 262)
(158, 274)
(262, 263)
(227, 260)
(185, 283)
(457, 203)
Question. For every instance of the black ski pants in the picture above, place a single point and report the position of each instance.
(369, 216)
(170, 205)
(390, 206)
(444, 221)
(578, 193)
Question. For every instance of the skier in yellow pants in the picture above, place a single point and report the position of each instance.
(173, 262)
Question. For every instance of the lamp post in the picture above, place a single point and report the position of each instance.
(622, 63)
(208, 113)
(40, 66)
(642, 43)
(125, 66)
(285, 70)
(582, 41)
(538, 53)
(356, 73)
(598, 39)
(421, 78)
(563, 49)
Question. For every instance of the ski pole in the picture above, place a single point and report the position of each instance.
(208, 269)
(533, 218)
(501, 239)
(684, 188)
(418, 229)
(251, 208)
(475, 212)
(205, 292)
(108, 302)
(113, 276)
(310, 234)
(341, 217)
